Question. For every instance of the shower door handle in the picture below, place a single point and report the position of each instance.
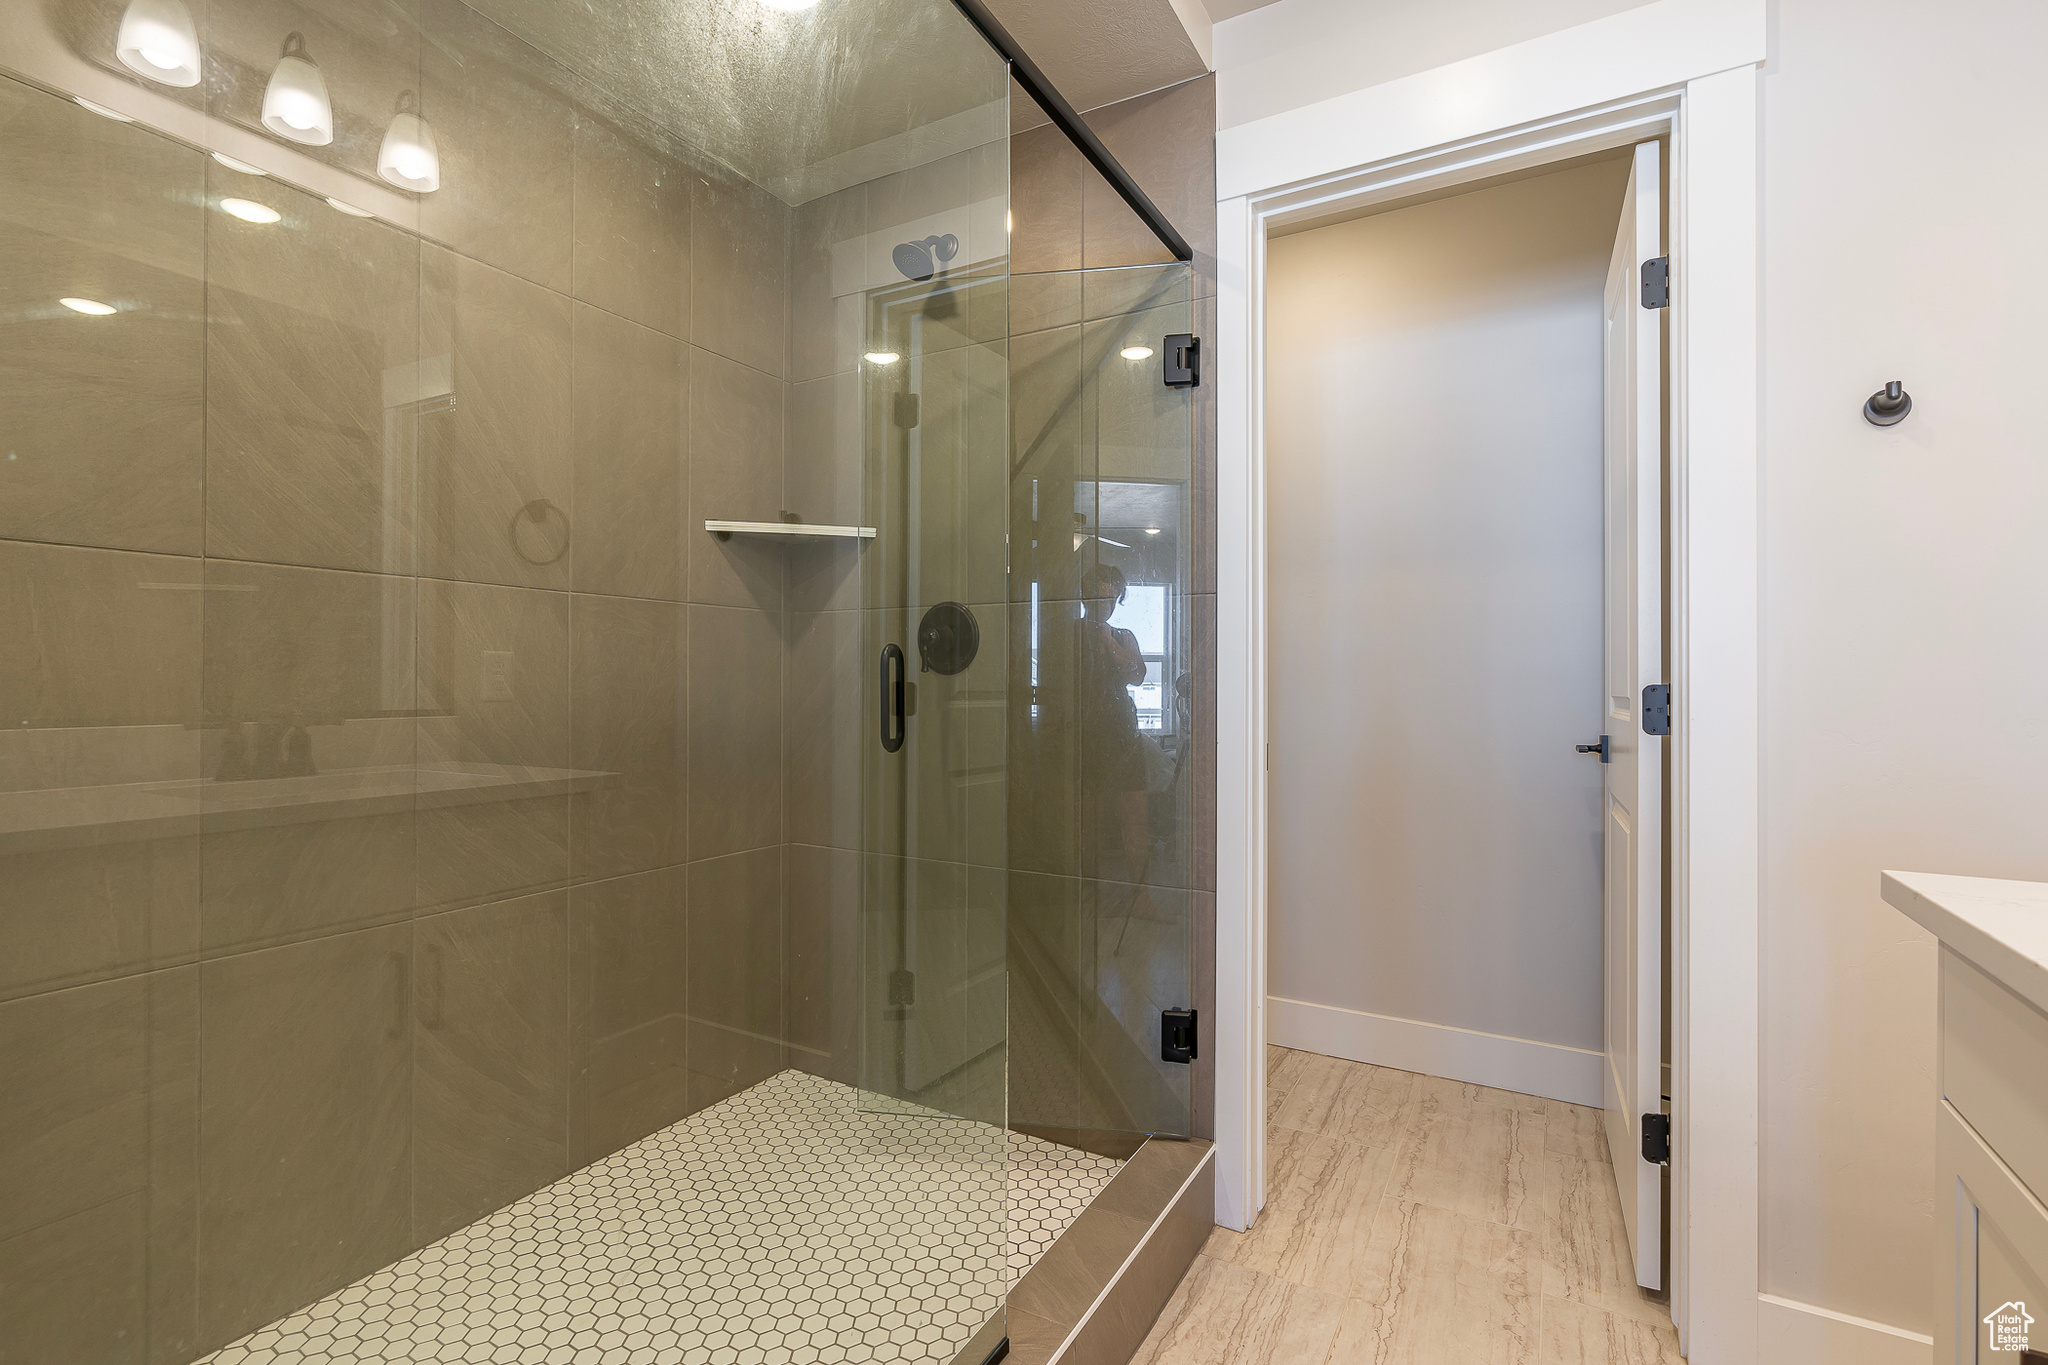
(892, 698)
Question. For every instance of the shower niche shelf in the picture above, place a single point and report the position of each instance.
(788, 530)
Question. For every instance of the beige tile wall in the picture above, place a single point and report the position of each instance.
(392, 783)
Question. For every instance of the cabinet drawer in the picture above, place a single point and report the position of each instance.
(1999, 1244)
(1994, 1067)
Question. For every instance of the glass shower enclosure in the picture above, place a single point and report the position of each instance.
(559, 669)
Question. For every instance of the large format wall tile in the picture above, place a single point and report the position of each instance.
(736, 948)
(491, 1058)
(307, 320)
(308, 808)
(506, 137)
(97, 1146)
(494, 692)
(1045, 201)
(825, 325)
(1050, 457)
(112, 213)
(305, 1150)
(821, 979)
(1148, 135)
(632, 249)
(736, 428)
(823, 475)
(826, 728)
(495, 458)
(628, 959)
(627, 681)
(99, 687)
(632, 478)
(739, 267)
(735, 731)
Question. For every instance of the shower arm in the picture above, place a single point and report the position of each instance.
(1026, 73)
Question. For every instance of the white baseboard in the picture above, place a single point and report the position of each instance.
(1530, 1068)
(1793, 1333)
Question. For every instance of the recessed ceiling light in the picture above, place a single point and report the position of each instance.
(92, 308)
(232, 164)
(1136, 353)
(883, 357)
(350, 209)
(249, 211)
(101, 109)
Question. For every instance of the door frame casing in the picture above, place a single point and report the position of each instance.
(1710, 118)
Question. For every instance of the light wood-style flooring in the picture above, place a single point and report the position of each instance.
(1412, 1220)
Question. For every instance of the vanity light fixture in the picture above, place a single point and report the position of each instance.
(1151, 530)
(156, 41)
(101, 109)
(249, 211)
(295, 103)
(92, 308)
(234, 165)
(350, 209)
(408, 157)
(1136, 353)
(882, 357)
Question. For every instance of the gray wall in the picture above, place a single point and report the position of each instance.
(1434, 646)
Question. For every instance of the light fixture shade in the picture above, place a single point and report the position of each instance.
(156, 40)
(408, 157)
(295, 103)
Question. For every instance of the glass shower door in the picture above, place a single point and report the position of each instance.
(934, 402)
(1101, 703)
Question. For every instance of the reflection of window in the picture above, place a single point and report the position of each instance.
(1143, 614)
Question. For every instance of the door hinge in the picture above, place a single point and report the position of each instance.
(1657, 1139)
(1183, 360)
(1177, 1036)
(905, 410)
(1657, 709)
(1657, 283)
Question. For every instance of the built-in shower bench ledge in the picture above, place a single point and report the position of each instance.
(788, 530)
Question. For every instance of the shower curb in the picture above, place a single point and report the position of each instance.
(1094, 1295)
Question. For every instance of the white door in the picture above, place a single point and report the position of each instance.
(1634, 762)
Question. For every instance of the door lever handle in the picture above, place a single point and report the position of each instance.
(1600, 749)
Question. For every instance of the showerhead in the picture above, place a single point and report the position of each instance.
(921, 260)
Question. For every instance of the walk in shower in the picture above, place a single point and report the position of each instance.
(596, 757)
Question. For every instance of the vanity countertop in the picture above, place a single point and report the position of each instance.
(1999, 925)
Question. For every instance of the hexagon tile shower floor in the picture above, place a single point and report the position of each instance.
(779, 1226)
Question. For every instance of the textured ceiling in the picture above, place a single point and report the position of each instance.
(1100, 51)
(802, 102)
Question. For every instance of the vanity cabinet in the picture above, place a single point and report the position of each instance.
(1991, 1114)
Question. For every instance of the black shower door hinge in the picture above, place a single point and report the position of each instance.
(1657, 1138)
(1177, 1036)
(1657, 283)
(1183, 360)
(1657, 709)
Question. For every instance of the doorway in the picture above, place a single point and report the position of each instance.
(1465, 593)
